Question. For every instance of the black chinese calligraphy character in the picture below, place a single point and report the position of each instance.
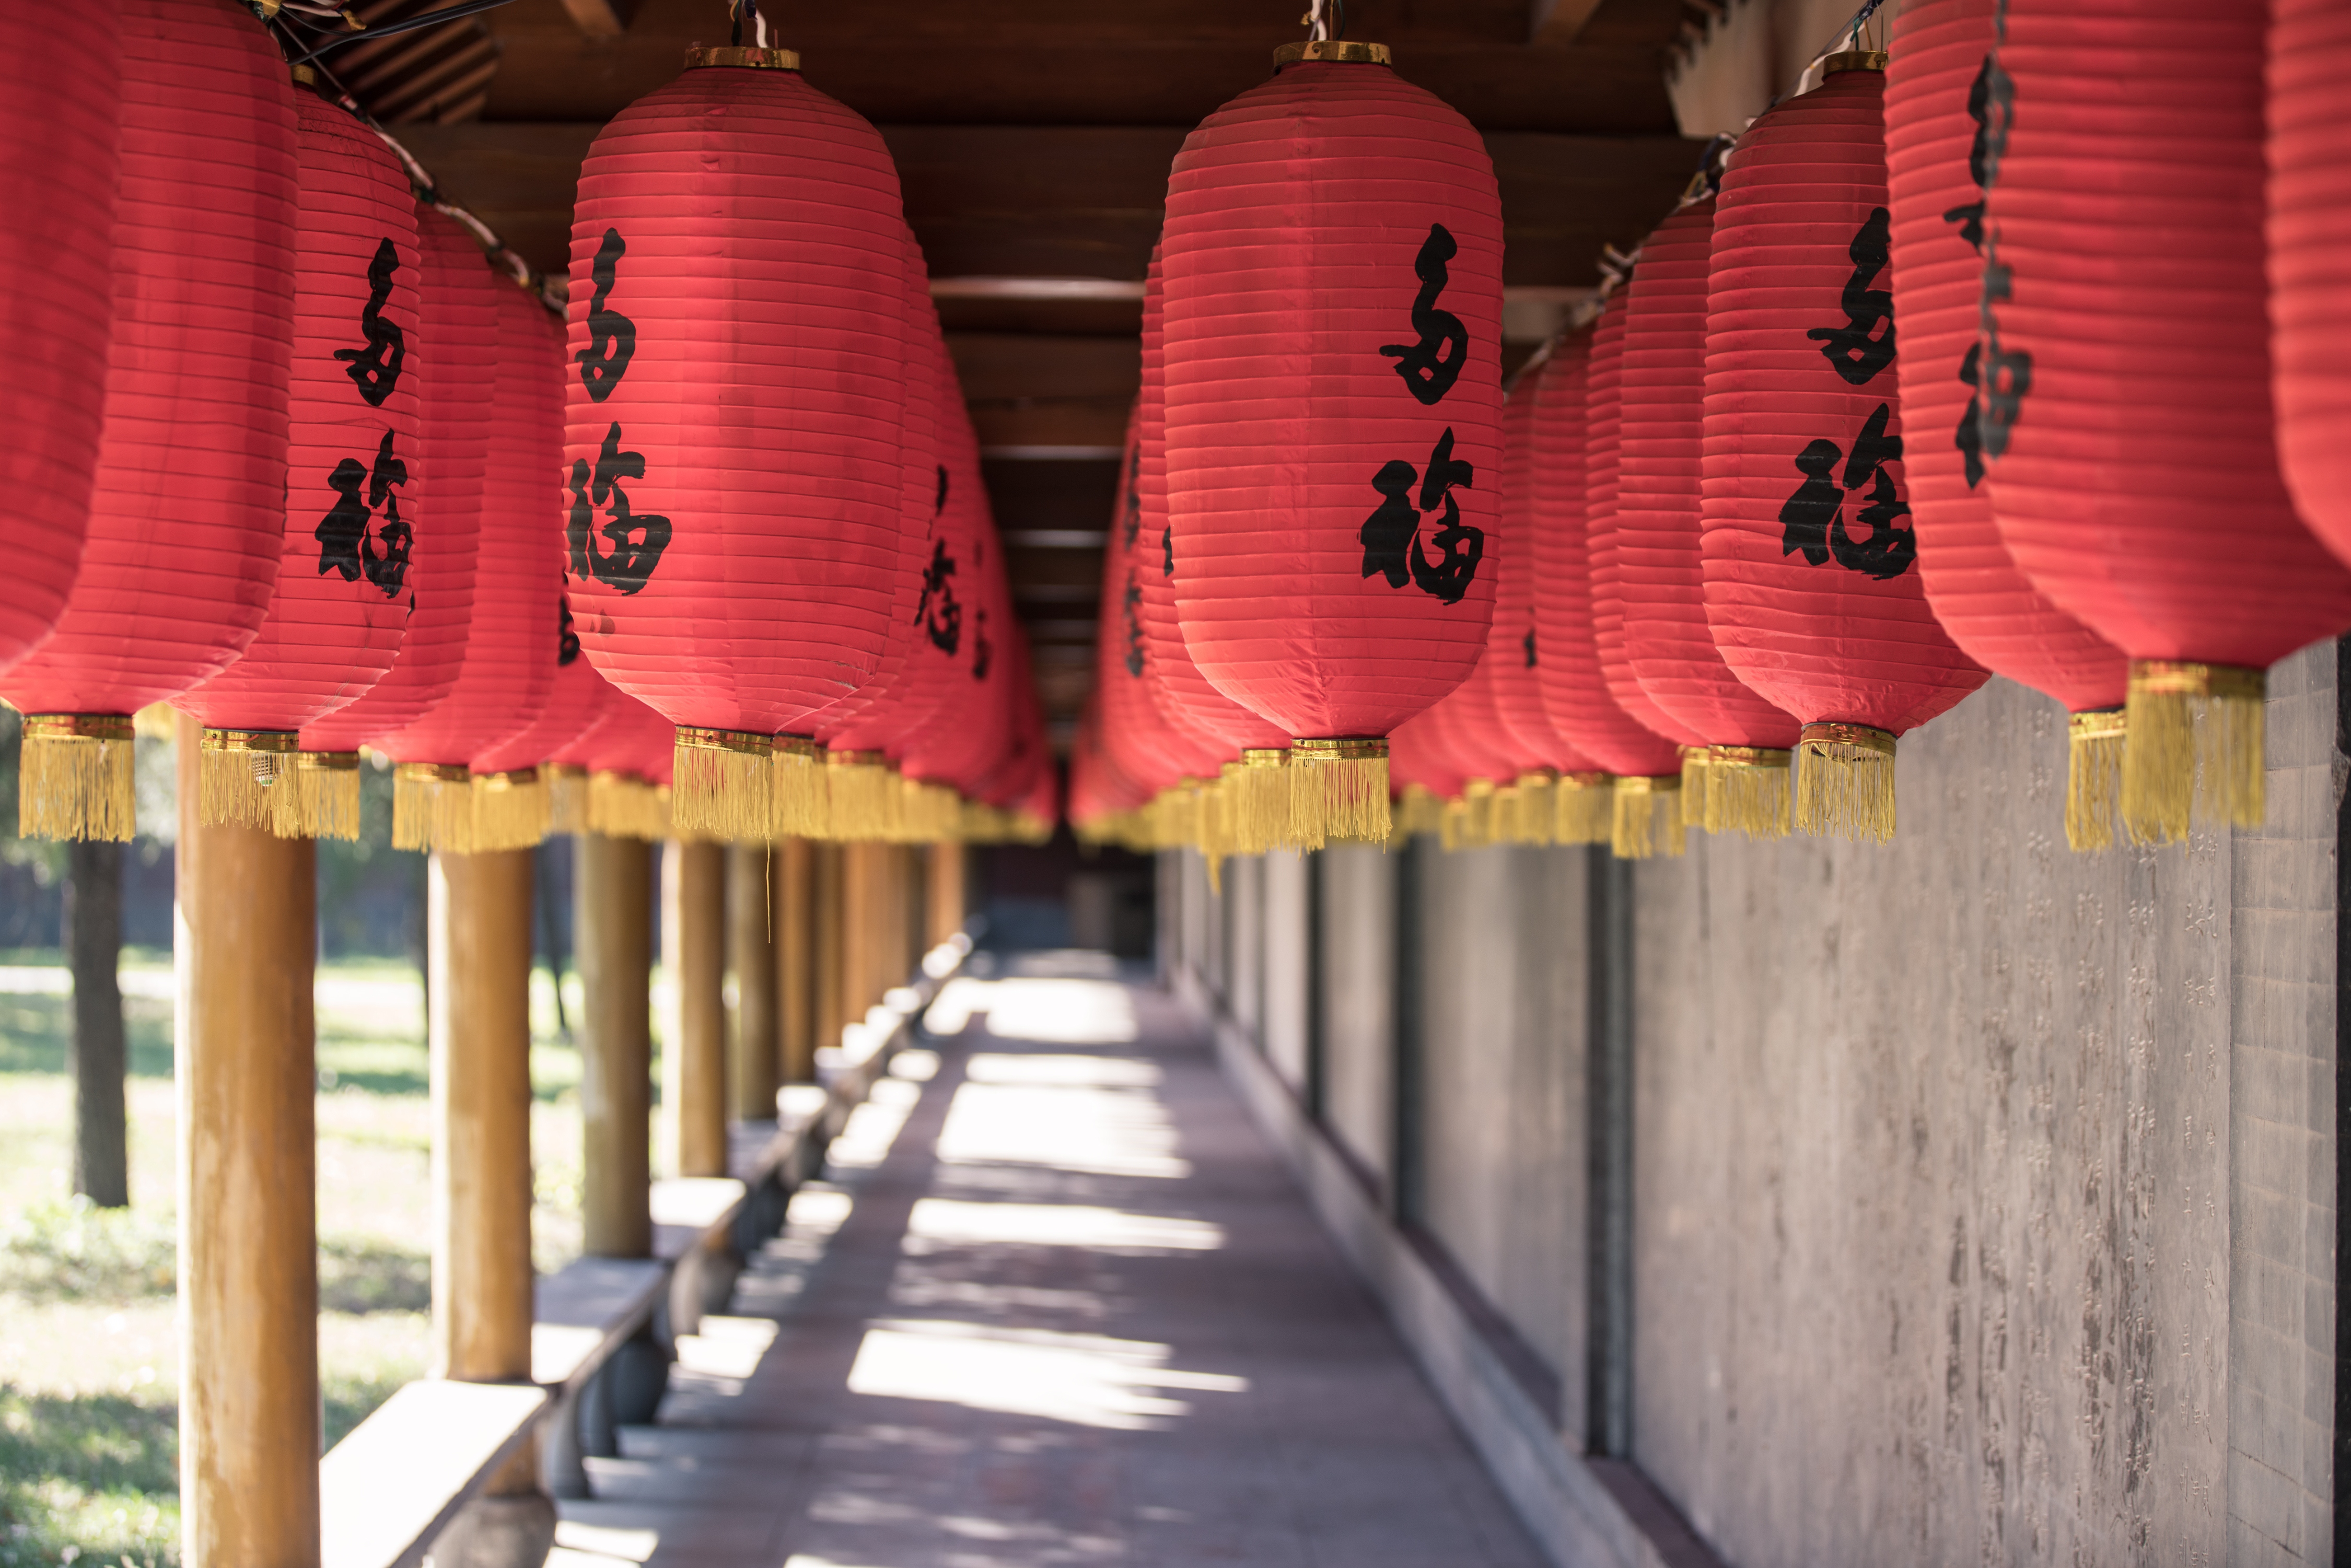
(611, 336)
(344, 542)
(1529, 642)
(938, 614)
(1167, 550)
(375, 370)
(1970, 216)
(1813, 519)
(1133, 604)
(2004, 376)
(1859, 349)
(567, 639)
(940, 505)
(982, 650)
(637, 542)
(1388, 532)
(1967, 437)
(1391, 535)
(1134, 496)
(1426, 367)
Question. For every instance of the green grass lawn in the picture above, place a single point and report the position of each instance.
(88, 1358)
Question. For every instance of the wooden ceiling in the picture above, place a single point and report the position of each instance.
(1033, 138)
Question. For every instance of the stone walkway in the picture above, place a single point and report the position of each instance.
(1058, 1303)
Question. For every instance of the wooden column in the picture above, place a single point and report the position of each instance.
(247, 907)
(752, 1041)
(479, 910)
(828, 946)
(694, 1054)
(613, 889)
(795, 961)
(943, 896)
(861, 894)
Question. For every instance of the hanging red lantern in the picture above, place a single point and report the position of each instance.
(514, 781)
(1807, 545)
(739, 321)
(1937, 94)
(2125, 165)
(457, 297)
(565, 768)
(187, 504)
(508, 672)
(1333, 265)
(1644, 805)
(1735, 772)
(355, 488)
(2310, 278)
(630, 758)
(950, 603)
(59, 157)
(1141, 743)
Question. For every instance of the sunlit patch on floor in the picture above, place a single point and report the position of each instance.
(1087, 1380)
(1057, 1011)
(950, 1222)
(1069, 1112)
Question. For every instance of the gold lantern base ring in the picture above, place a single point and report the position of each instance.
(2094, 777)
(1339, 791)
(432, 808)
(1845, 781)
(1746, 790)
(237, 774)
(512, 810)
(2192, 749)
(723, 783)
(74, 778)
(325, 788)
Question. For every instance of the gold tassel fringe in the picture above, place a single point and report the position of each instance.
(1693, 776)
(567, 798)
(1845, 784)
(1416, 810)
(858, 796)
(797, 797)
(2192, 748)
(724, 784)
(237, 774)
(432, 808)
(623, 806)
(510, 809)
(1470, 817)
(1338, 792)
(325, 786)
(1584, 809)
(74, 778)
(2094, 778)
(1536, 820)
(1746, 790)
(1261, 811)
(1648, 818)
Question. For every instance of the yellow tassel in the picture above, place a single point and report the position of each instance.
(1476, 829)
(1647, 819)
(237, 774)
(1339, 793)
(1215, 813)
(74, 778)
(432, 808)
(567, 798)
(1416, 810)
(1534, 820)
(325, 789)
(724, 783)
(857, 788)
(622, 806)
(1694, 810)
(156, 721)
(2094, 778)
(1261, 806)
(510, 809)
(1746, 790)
(1845, 784)
(1584, 809)
(798, 800)
(2192, 745)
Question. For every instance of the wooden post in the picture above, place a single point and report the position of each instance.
(693, 1044)
(795, 962)
(752, 1041)
(828, 947)
(93, 930)
(613, 892)
(861, 896)
(943, 900)
(247, 906)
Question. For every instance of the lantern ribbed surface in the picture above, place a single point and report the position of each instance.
(509, 667)
(1512, 648)
(948, 604)
(1603, 476)
(1936, 88)
(2127, 417)
(356, 486)
(1215, 727)
(1332, 275)
(1656, 566)
(1810, 562)
(1135, 737)
(1568, 675)
(737, 310)
(2310, 257)
(58, 158)
(457, 297)
(575, 703)
(187, 508)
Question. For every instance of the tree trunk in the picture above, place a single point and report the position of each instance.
(93, 923)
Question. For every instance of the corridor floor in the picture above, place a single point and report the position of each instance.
(1058, 1302)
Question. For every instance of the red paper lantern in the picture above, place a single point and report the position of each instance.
(59, 159)
(1644, 799)
(738, 318)
(1141, 744)
(951, 601)
(581, 694)
(1333, 281)
(1809, 555)
(630, 760)
(1739, 782)
(355, 488)
(187, 506)
(457, 303)
(510, 657)
(1936, 97)
(2309, 259)
(1512, 647)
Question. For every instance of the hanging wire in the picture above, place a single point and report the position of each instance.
(389, 29)
(737, 11)
(1318, 26)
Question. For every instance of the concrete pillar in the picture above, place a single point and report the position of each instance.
(694, 1054)
(943, 893)
(614, 890)
(792, 891)
(828, 946)
(247, 915)
(753, 1041)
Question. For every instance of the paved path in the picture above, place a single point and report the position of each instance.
(1058, 1305)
